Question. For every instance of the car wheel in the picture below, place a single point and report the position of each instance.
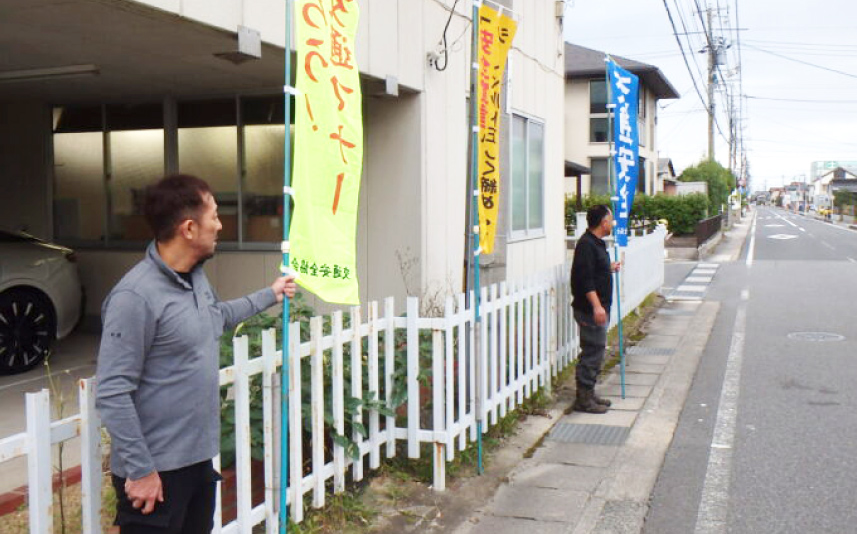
(27, 330)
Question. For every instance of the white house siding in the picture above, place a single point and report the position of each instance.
(537, 82)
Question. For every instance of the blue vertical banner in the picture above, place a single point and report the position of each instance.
(624, 90)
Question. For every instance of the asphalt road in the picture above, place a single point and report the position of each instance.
(765, 441)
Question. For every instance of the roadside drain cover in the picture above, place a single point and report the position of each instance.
(589, 434)
(651, 351)
(815, 336)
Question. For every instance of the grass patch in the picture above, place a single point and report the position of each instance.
(344, 512)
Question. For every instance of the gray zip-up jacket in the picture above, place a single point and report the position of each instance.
(157, 380)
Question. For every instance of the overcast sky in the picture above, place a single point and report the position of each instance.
(797, 110)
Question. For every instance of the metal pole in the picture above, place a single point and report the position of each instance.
(284, 381)
(474, 218)
(614, 185)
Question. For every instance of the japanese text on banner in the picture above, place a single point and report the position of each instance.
(624, 90)
(496, 32)
(328, 150)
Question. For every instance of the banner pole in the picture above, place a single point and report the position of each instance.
(614, 184)
(474, 218)
(284, 381)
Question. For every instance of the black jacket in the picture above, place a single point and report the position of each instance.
(590, 271)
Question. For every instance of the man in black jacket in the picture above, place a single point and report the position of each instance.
(592, 289)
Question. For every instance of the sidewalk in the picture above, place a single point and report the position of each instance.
(593, 474)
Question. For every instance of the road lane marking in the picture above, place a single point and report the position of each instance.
(745, 294)
(691, 289)
(802, 229)
(788, 221)
(752, 248)
(698, 279)
(713, 513)
(852, 260)
(828, 245)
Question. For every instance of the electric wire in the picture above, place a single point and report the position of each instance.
(445, 52)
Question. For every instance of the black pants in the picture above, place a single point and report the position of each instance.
(188, 507)
(593, 341)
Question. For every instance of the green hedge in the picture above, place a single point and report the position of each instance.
(681, 212)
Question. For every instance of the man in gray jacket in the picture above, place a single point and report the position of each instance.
(157, 386)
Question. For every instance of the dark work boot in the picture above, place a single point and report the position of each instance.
(585, 402)
(601, 400)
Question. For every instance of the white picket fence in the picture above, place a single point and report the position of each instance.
(527, 335)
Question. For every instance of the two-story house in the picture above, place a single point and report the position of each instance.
(586, 119)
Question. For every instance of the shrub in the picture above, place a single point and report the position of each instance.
(681, 212)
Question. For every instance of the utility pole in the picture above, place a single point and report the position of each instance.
(712, 62)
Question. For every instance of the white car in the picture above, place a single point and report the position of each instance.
(41, 299)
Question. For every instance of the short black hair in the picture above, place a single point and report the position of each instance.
(596, 214)
(171, 200)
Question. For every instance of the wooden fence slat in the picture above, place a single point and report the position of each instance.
(242, 432)
(90, 456)
(497, 367)
(413, 349)
(374, 416)
(449, 374)
(389, 371)
(438, 410)
(338, 397)
(357, 387)
(462, 373)
(317, 410)
(296, 451)
(39, 462)
(269, 369)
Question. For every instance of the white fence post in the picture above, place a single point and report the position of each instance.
(413, 349)
(438, 411)
(242, 433)
(317, 409)
(296, 460)
(338, 384)
(357, 387)
(374, 387)
(389, 371)
(90, 457)
(269, 361)
(39, 462)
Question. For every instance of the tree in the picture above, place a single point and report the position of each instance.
(842, 198)
(720, 182)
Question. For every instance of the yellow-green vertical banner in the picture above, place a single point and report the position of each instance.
(328, 150)
(496, 32)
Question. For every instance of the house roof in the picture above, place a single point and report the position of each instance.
(582, 62)
(665, 165)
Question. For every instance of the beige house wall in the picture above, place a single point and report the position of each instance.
(578, 148)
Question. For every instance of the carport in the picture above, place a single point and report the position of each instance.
(98, 53)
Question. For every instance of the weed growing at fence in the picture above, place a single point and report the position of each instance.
(344, 512)
(18, 521)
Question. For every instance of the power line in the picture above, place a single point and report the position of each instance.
(803, 100)
(683, 53)
(850, 75)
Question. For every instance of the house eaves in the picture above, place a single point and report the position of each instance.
(585, 63)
